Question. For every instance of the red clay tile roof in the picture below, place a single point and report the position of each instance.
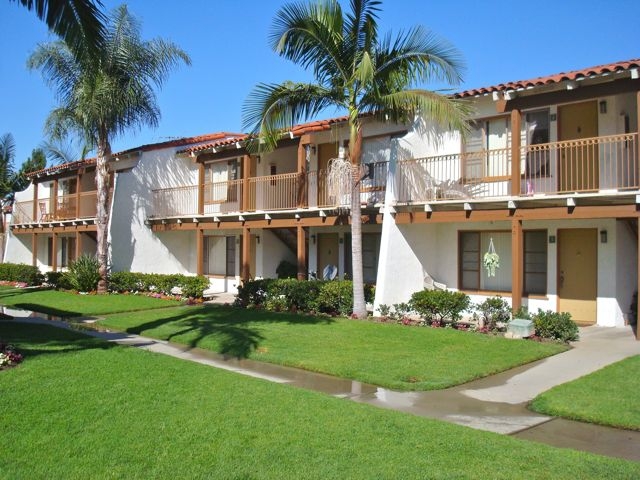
(297, 131)
(144, 148)
(550, 79)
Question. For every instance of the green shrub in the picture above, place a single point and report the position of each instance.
(83, 274)
(20, 272)
(634, 309)
(522, 312)
(125, 282)
(193, 286)
(439, 305)
(555, 325)
(335, 297)
(253, 293)
(493, 311)
(287, 269)
(58, 280)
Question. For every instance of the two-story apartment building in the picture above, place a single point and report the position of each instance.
(547, 178)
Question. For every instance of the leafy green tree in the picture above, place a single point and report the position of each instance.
(360, 73)
(37, 161)
(7, 170)
(104, 95)
(80, 23)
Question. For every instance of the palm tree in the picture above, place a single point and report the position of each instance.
(104, 95)
(7, 173)
(358, 72)
(77, 22)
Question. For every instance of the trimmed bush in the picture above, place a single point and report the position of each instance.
(439, 305)
(83, 274)
(287, 269)
(192, 286)
(555, 325)
(333, 297)
(58, 280)
(20, 272)
(493, 311)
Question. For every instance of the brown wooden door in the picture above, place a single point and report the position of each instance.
(578, 163)
(578, 273)
(327, 251)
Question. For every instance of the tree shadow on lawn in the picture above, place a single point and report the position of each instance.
(43, 309)
(233, 329)
(33, 339)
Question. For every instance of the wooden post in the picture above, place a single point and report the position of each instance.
(246, 171)
(54, 199)
(201, 180)
(517, 253)
(36, 207)
(78, 177)
(200, 251)
(516, 121)
(54, 252)
(302, 171)
(246, 254)
(34, 249)
(78, 251)
(302, 254)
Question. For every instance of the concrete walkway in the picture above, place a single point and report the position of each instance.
(497, 403)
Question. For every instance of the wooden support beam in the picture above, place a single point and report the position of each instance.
(36, 207)
(245, 271)
(516, 122)
(78, 178)
(302, 253)
(246, 171)
(34, 249)
(54, 252)
(302, 174)
(54, 198)
(200, 251)
(78, 251)
(201, 181)
(517, 253)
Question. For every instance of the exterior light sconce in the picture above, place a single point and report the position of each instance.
(603, 106)
(603, 236)
(313, 239)
(341, 240)
(258, 239)
(258, 158)
(237, 240)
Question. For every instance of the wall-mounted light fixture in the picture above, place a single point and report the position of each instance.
(313, 239)
(237, 240)
(603, 106)
(341, 240)
(603, 236)
(258, 239)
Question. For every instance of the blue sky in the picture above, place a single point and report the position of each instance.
(227, 40)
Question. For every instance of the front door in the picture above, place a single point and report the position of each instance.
(327, 252)
(578, 273)
(578, 168)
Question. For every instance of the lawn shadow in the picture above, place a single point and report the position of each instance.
(32, 340)
(234, 329)
(39, 308)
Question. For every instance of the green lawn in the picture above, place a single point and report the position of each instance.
(607, 397)
(389, 355)
(78, 408)
(65, 304)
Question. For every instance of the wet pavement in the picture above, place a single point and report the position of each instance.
(497, 403)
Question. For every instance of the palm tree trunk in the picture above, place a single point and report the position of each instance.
(102, 212)
(355, 149)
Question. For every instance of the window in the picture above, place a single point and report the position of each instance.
(220, 255)
(535, 262)
(218, 176)
(473, 276)
(537, 128)
(68, 247)
(485, 148)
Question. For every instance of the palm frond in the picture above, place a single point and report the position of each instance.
(80, 23)
(271, 109)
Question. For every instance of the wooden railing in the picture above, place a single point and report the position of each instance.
(222, 197)
(67, 208)
(273, 192)
(584, 165)
(373, 185)
(589, 164)
(176, 201)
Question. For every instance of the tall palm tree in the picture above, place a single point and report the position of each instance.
(77, 22)
(104, 95)
(7, 172)
(358, 72)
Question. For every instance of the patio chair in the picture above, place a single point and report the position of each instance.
(44, 215)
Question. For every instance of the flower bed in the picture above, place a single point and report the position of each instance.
(9, 356)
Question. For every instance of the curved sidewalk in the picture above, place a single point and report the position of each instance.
(497, 403)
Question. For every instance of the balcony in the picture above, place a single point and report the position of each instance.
(65, 207)
(286, 191)
(607, 163)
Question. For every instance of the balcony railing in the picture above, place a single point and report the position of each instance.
(591, 164)
(67, 207)
(274, 192)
